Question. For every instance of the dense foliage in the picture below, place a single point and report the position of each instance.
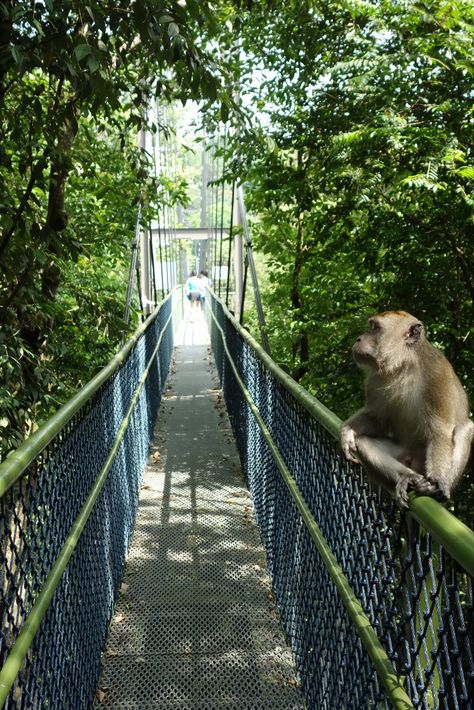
(356, 151)
(74, 77)
(360, 176)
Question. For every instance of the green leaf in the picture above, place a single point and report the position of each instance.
(93, 64)
(466, 171)
(173, 29)
(16, 54)
(224, 112)
(81, 51)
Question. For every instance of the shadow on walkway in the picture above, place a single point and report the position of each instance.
(195, 625)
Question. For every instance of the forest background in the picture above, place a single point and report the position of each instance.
(355, 146)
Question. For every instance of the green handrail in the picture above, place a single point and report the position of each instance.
(13, 467)
(456, 537)
(394, 687)
(32, 623)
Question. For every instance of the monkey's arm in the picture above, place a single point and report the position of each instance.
(362, 423)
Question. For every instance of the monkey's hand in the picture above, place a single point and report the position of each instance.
(349, 444)
(400, 493)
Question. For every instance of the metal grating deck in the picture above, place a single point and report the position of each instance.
(195, 626)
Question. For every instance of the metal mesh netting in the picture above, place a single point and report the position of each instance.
(417, 598)
(37, 512)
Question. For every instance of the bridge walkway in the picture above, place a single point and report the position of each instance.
(195, 625)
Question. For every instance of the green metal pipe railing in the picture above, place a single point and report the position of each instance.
(456, 537)
(13, 467)
(375, 649)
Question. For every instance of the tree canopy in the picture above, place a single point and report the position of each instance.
(74, 77)
(359, 173)
(354, 141)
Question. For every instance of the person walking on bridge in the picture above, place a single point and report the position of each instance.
(203, 283)
(192, 289)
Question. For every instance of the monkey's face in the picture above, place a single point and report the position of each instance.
(366, 350)
(389, 343)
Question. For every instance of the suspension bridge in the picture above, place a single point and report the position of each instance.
(184, 532)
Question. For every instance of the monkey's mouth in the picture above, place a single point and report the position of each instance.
(364, 359)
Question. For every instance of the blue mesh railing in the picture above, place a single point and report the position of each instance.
(68, 501)
(377, 605)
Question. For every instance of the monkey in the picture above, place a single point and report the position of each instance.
(414, 430)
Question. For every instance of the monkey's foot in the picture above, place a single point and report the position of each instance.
(440, 492)
(424, 486)
(400, 493)
(421, 485)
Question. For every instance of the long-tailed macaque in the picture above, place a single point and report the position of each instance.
(414, 430)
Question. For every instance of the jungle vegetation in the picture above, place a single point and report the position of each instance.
(359, 173)
(354, 143)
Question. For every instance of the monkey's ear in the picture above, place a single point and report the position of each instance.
(414, 333)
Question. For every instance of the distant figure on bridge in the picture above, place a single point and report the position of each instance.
(204, 282)
(192, 289)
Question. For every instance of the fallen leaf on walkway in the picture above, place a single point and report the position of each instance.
(100, 695)
(111, 652)
(118, 618)
(124, 587)
(156, 455)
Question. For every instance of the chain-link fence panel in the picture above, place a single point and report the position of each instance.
(416, 596)
(38, 510)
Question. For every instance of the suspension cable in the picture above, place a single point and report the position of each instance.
(167, 207)
(231, 225)
(244, 288)
(216, 238)
(133, 264)
(152, 260)
(222, 206)
(140, 299)
(156, 157)
(250, 262)
(210, 188)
